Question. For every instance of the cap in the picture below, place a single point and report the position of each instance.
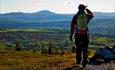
(82, 6)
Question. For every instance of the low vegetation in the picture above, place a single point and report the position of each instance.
(42, 49)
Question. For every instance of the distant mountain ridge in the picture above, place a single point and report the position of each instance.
(101, 23)
(41, 15)
(45, 13)
(46, 16)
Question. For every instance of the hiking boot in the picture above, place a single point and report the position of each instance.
(84, 65)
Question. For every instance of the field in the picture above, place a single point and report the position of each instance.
(45, 50)
(27, 60)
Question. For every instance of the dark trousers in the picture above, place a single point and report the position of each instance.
(81, 41)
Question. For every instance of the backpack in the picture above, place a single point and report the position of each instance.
(81, 24)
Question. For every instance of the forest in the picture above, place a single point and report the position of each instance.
(30, 39)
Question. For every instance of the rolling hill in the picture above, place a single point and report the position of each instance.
(102, 23)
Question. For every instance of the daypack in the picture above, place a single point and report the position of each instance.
(81, 24)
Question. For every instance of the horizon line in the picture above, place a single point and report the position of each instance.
(50, 11)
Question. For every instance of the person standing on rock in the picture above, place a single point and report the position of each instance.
(79, 28)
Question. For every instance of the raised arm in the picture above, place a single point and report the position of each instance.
(89, 14)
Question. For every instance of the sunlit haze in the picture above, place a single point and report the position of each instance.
(58, 6)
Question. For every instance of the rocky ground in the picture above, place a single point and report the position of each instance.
(102, 66)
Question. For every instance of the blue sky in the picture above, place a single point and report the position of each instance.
(58, 6)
